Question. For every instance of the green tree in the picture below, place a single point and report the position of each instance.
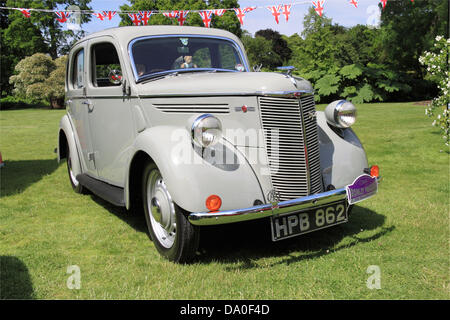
(260, 52)
(21, 37)
(279, 45)
(227, 22)
(40, 78)
(408, 29)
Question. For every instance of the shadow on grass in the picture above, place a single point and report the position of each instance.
(245, 242)
(16, 176)
(248, 241)
(133, 219)
(15, 280)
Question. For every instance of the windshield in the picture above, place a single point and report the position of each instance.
(159, 55)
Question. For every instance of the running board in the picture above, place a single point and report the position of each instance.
(108, 192)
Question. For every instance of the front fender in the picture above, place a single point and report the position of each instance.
(191, 178)
(342, 159)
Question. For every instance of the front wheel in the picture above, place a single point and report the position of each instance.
(174, 237)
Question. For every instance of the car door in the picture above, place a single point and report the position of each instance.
(78, 108)
(110, 116)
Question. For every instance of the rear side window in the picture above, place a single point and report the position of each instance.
(78, 70)
(104, 61)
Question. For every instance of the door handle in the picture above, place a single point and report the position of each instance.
(88, 103)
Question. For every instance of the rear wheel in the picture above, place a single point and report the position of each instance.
(76, 185)
(174, 237)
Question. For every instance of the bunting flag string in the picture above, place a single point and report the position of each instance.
(143, 17)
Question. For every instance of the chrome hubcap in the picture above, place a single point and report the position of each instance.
(161, 209)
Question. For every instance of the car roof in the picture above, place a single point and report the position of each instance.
(128, 33)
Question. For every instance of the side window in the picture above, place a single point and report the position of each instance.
(78, 70)
(105, 64)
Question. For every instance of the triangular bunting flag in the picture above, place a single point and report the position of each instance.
(25, 12)
(171, 14)
(182, 17)
(109, 14)
(206, 17)
(98, 15)
(62, 16)
(135, 18)
(275, 12)
(145, 16)
(354, 2)
(318, 6)
(286, 11)
(219, 12)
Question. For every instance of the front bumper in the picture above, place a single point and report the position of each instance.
(267, 210)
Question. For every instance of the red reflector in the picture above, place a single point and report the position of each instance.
(213, 202)
(244, 108)
(375, 171)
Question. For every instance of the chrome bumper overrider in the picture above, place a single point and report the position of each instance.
(267, 210)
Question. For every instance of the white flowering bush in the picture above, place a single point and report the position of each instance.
(437, 64)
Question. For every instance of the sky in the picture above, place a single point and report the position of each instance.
(341, 12)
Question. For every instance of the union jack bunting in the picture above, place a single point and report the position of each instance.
(109, 14)
(25, 12)
(354, 2)
(145, 16)
(206, 17)
(135, 18)
(286, 11)
(62, 16)
(219, 12)
(240, 13)
(275, 12)
(383, 2)
(248, 9)
(182, 16)
(98, 15)
(171, 14)
(318, 6)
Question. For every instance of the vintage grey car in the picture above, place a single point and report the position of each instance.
(172, 121)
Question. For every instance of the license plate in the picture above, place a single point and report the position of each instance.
(294, 224)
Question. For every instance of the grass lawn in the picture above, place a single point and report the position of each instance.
(45, 228)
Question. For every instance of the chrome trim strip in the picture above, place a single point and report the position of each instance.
(132, 42)
(278, 94)
(267, 210)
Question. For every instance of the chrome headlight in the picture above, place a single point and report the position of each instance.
(341, 114)
(206, 130)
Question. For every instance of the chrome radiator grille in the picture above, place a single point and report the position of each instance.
(290, 133)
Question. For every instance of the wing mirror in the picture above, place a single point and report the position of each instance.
(115, 76)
